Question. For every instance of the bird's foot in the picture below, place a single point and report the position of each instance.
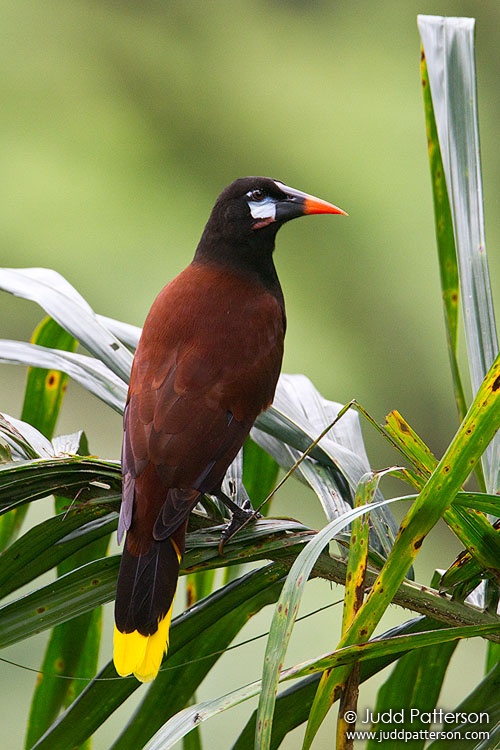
(241, 516)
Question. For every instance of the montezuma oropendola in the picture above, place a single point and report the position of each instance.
(206, 366)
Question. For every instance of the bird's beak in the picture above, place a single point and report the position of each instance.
(298, 203)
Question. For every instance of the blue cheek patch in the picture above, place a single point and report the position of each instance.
(265, 209)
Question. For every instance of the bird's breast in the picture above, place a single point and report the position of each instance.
(215, 331)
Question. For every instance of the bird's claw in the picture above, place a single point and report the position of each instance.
(240, 518)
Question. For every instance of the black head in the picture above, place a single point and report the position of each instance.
(243, 224)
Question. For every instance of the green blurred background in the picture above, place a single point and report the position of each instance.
(120, 122)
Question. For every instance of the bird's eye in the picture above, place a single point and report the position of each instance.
(257, 195)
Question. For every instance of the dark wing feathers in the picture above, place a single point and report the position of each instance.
(173, 512)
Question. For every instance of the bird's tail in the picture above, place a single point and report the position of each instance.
(143, 608)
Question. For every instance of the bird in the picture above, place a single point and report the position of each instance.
(206, 365)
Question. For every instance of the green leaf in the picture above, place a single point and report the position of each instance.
(189, 718)
(415, 682)
(483, 702)
(396, 644)
(472, 528)
(107, 691)
(66, 306)
(75, 642)
(43, 397)
(284, 618)
(102, 695)
(262, 539)
(480, 425)
(294, 703)
(412, 446)
(355, 580)
(73, 646)
(45, 388)
(69, 642)
(260, 472)
(199, 585)
(449, 54)
(448, 268)
(66, 476)
(69, 596)
(353, 598)
(479, 501)
(92, 374)
(185, 669)
(48, 543)
(358, 552)
(483, 541)
(493, 655)
(292, 425)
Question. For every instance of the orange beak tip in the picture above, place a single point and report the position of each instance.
(317, 206)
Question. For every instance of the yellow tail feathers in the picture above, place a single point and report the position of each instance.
(141, 655)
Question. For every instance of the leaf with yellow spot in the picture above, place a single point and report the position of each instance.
(474, 435)
(470, 525)
(448, 267)
(411, 444)
(42, 402)
(45, 388)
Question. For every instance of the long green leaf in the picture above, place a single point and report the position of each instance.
(63, 659)
(353, 598)
(42, 402)
(355, 588)
(285, 615)
(294, 703)
(449, 54)
(48, 543)
(378, 647)
(66, 476)
(43, 397)
(69, 596)
(448, 267)
(358, 552)
(73, 646)
(473, 529)
(65, 305)
(91, 373)
(186, 720)
(482, 501)
(474, 435)
(45, 389)
(481, 702)
(415, 682)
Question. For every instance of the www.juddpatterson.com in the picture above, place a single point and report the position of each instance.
(384, 725)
